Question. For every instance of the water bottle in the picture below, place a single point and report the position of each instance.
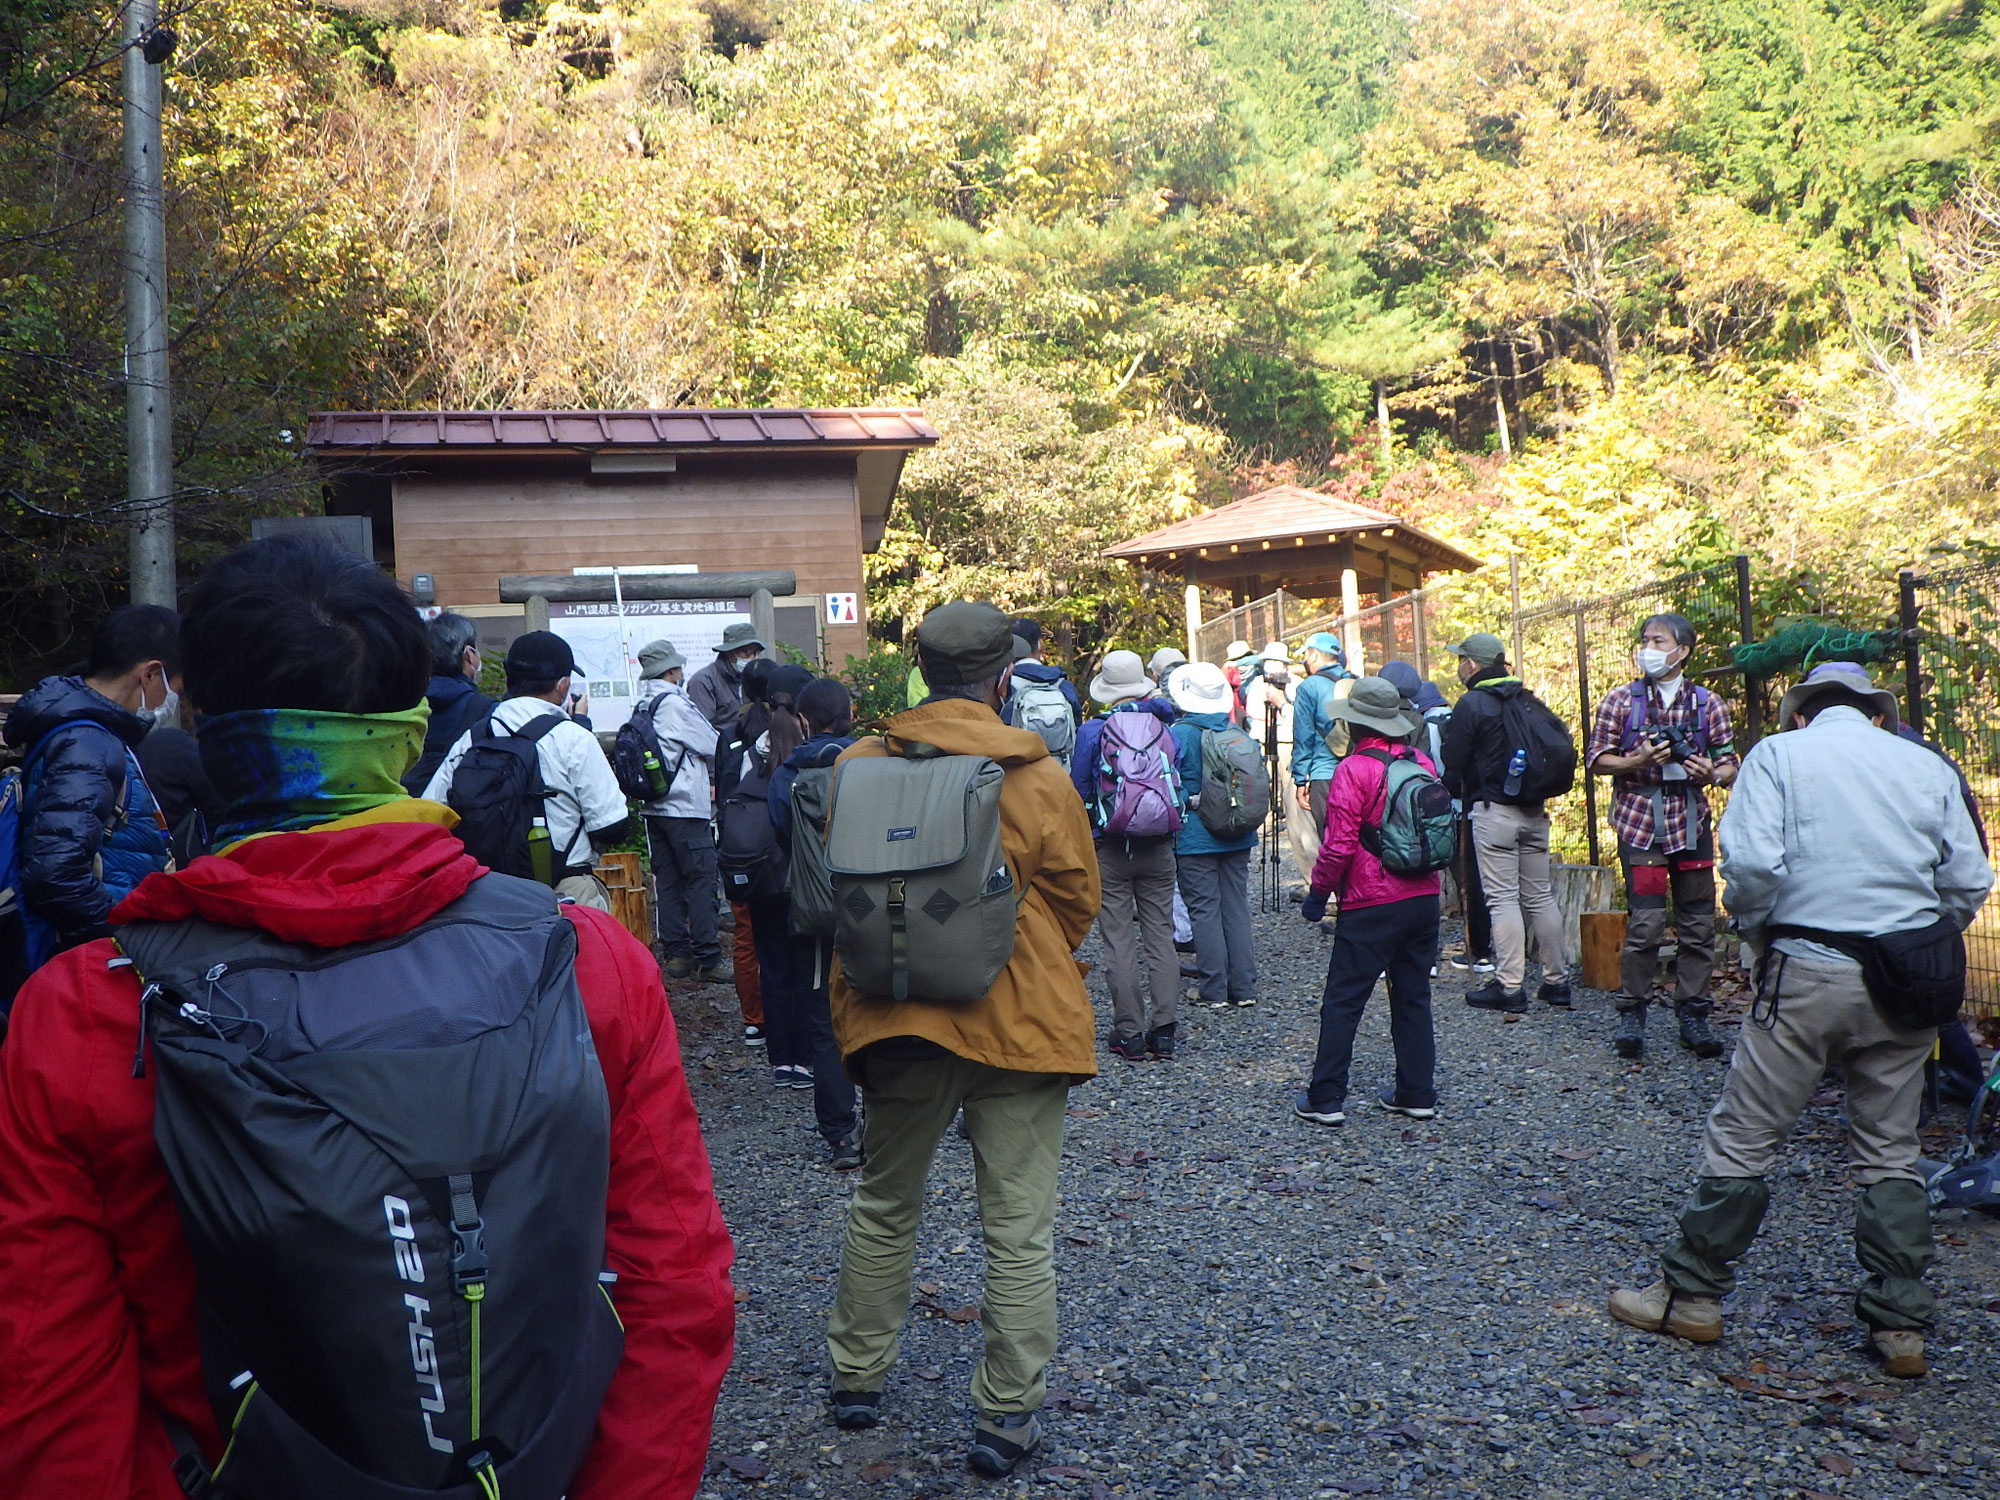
(1516, 769)
(655, 775)
(541, 853)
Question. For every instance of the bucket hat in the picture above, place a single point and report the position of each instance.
(657, 658)
(1837, 674)
(739, 635)
(1236, 648)
(1163, 658)
(1120, 678)
(1200, 688)
(1374, 703)
(1276, 651)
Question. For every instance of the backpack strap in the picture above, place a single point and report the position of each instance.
(1638, 710)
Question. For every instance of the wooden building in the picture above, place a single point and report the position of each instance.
(468, 497)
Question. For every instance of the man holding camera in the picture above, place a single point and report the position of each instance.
(1664, 742)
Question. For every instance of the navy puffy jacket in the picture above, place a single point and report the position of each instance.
(88, 827)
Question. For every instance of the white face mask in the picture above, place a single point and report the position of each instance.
(168, 714)
(1653, 662)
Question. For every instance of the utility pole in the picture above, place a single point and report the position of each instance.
(149, 425)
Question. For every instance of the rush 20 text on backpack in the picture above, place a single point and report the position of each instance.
(1235, 784)
(1137, 784)
(1417, 830)
(925, 899)
(502, 802)
(390, 1173)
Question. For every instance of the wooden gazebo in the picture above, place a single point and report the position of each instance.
(1298, 540)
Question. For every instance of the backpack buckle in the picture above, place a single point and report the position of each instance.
(468, 1255)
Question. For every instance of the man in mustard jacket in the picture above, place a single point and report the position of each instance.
(1007, 1060)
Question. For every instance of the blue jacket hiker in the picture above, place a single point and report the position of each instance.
(1214, 872)
(1314, 721)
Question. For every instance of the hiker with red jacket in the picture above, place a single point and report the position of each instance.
(115, 1371)
(1388, 923)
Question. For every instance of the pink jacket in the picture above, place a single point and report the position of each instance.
(1345, 870)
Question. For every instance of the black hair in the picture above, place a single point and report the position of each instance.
(449, 635)
(1676, 625)
(1841, 697)
(291, 622)
(133, 633)
(1027, 629)
(531, 687)
(827, 706)
(757, 678)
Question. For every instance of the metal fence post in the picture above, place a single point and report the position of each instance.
(1514, 599)
(1753, 687)
(1913, 670)
(1583, 733)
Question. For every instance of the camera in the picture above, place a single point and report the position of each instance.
(1680, 744)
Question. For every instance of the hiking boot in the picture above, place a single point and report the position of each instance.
(1629, 1040)
(1901, 1351)
(713, 974)
(1493, 995)
(1696, 1035)
(855, 1410)
(1306, 1110)
(1131, 1048)
(753, 1036)
(1388, 1101)
(1554, 992)
(845, 1155)
(1659, 1309)
(1000, 1443)
(1160, 1040)
(679, 966)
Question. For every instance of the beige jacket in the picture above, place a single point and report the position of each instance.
(1036, 1018)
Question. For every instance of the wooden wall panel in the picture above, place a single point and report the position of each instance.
(469, 531)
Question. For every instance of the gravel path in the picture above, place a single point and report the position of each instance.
(1256, 1306)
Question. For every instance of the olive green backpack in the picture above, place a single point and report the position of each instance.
(925, 902)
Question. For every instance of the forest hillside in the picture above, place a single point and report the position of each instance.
(1612, 284)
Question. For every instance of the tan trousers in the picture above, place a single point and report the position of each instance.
(1016, 1122)
(1823, 1016)
(1513, 848)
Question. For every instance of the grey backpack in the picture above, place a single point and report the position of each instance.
(926, 903)
(813, 912)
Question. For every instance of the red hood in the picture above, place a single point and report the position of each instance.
(326, 888)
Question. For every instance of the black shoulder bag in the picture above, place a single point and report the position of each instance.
(1916, 978)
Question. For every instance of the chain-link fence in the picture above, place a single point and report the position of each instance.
(1951, 630)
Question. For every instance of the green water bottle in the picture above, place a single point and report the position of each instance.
(541, 853)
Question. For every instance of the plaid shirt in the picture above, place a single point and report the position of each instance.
(1632, 797)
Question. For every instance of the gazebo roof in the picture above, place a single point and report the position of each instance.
(1285, 531)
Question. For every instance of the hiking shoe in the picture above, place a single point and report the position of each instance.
(1901, 1351)
(679, 966)
(797, 1076)
(1658, 1309)
(1476, 965)
(845, 1155)
(1131, 1048)
(753, 1036)
(1493, 995)
(855, 1410)
(1696, 1034)
(1388, 1101)
(1305, 1110)
(1000, 1443)
(1160, 1040)
(1554, 992)
(713, 974)
(1629, 1040)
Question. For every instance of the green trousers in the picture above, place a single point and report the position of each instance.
(1015, 1121)
(1818, 1013)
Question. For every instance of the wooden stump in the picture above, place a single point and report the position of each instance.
(1579, 889)
(631, 902)
(1603, 940)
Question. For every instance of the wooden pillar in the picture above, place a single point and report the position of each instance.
(536, 612)
(1192, 604)
(764, 620)
(1350, 606)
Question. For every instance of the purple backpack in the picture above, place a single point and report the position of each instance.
(1137, 796)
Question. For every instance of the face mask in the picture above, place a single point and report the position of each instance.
(168, 714)
(1653, 663)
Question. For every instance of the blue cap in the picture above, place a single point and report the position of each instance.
(1326, 644)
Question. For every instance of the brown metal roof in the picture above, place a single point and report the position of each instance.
(1286, 513)
(677, 428)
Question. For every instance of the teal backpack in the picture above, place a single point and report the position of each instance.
(1417, 833)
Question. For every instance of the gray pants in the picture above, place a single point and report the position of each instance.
(684, 878)
(1820, 1015)
(1513, 849)
(1650, 877)
(1136, 922)
(1217, 890)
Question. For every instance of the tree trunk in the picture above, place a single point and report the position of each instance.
(1500, 408)
(1607, 345)
(1382, 427)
